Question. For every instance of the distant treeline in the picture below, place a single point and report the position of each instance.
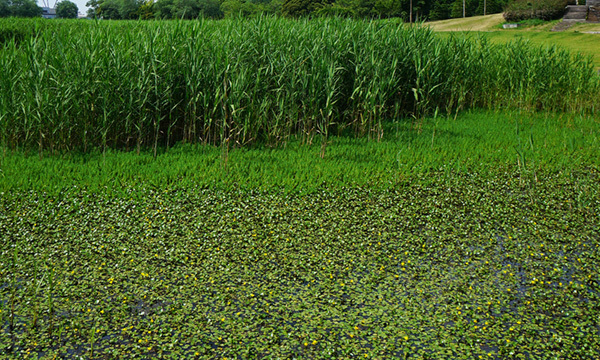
(217, 9)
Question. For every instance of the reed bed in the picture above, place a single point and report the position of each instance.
(133, 85)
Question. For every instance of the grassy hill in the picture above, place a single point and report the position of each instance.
(579, 38)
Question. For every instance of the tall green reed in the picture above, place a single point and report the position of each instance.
(133, 85)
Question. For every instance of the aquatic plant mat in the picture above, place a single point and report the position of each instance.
(463, 267)
(449, 239)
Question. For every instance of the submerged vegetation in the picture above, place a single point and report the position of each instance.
(457, 234)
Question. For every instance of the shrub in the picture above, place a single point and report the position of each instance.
(520, 10)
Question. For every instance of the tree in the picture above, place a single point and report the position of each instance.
(470, 8)
(211, 9)
(186, 9)
(441, 10)
(232, 8)
(297, 8)
(110, 10)
(129, 9)
(490, 6)
(94, 8)
(5, 10)
(25, 8)
(146, 10)
(163, 9)
(66, 10)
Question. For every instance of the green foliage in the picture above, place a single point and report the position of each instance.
(519, 10)
(151, 86)
(480, 227)
(235, 8)
(482, 142)
(491, 6)
(111, 9)
(129, 9)
(66, 9)
(163, 9)
(146, 10)
(441, 10)
(120, 9)
(202, 274)
(5, 8)
(188, 9)
(14, 32)
(533, 22)
(93, 8)
(19, 8)
(298, 8)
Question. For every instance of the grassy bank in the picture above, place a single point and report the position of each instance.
(484, 142)
(575, 42)
(580, 38)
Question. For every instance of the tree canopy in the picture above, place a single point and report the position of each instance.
(216, 9)
(19, 8)
(66, 9)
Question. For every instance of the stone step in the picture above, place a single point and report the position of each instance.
(577, 8)
(576, 12)
(562, 26)
(575, 16)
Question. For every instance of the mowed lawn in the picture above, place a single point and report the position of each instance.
(587, 44)
(581, 38)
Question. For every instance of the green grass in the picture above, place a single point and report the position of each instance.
(476, 141)
(537, 33)
(575, 42)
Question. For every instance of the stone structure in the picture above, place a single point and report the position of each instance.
(593, 10)
(575, 13)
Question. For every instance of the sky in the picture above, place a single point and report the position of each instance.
(80, 4)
